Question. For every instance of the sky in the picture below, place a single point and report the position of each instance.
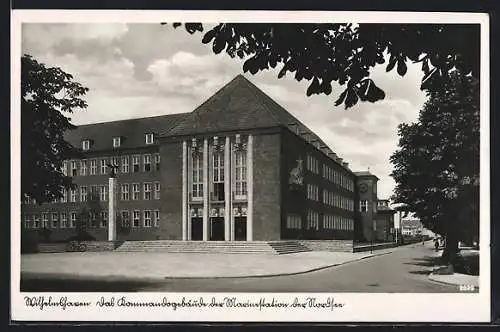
(144, 69)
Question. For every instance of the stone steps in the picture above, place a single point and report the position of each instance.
(216, 247)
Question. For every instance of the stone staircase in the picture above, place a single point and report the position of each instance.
(213, 247)
(288, 247)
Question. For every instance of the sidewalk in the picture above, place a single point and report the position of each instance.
(455, 278)
(178, 265)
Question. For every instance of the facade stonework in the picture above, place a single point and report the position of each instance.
(237, 168)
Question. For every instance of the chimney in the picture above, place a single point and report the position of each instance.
(345, 164)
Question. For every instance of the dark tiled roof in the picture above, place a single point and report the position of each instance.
(411, 223)
(365, 173)
(385, 209)
(132, 131)
(241, 105)
(234, 107)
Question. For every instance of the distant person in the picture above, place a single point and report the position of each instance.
(436, 244)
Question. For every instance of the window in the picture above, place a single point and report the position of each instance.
(197, 179)
(312, 164)
(73, 220)
(74, 169)
(93, 167)
(374, 208)
(147, 191)
(157, 190)
(293, 221)
(117, 142)
(64, 197)
(104, 166)
(55, 219)
(125, 219)
(83, 167)
(328, 221)
(83, 194)
(104, 219)
(135, 191)
(157, 218)
(157, 161)
(218, 176)
(241, 174)
(136, 218)
(94, 192)
(93, 219)
(86, 145)
(125, 192)
(27, 221)
(147, 218)
(64, 220)
(64, 168)
(115, 161)
(313, 192)
(135, 163)
(45, 220)
(36, 221)
(147, 163)
(72, 198)
(312, 220)
(363, 206)
(124, 164)
(103, 193)
(149, 138)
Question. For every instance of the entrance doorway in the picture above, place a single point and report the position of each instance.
(240, 228)
(196, 229)
(217, 228)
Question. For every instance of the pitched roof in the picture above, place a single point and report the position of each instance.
(234, 107)
(365, 173)
(132, 131)
(242, 105)
(411, 223)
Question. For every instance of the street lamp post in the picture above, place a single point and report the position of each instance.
(112, 203)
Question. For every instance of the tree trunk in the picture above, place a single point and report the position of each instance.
(450, 250)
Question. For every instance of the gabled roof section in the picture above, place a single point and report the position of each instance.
(366, 173)
(132, 131)
(242, 105)
(236, 106)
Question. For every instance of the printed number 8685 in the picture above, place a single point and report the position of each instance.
(466, 288)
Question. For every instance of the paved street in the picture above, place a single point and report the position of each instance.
(404, 270)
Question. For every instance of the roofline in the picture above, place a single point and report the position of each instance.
(130, 119)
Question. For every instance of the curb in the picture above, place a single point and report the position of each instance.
(155, 279)
(432, 276)
(283, 274)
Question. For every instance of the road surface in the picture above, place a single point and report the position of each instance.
(405, 270)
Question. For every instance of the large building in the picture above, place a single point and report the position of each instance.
(237, 168)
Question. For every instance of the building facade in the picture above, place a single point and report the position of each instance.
(384, 222)
(237, 168)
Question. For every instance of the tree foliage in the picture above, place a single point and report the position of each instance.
(436, 167)
(47, 94)
(345, 53)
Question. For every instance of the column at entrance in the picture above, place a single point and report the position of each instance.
(185, 234)
(205, 190)
(250, 188)
(227, 191)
